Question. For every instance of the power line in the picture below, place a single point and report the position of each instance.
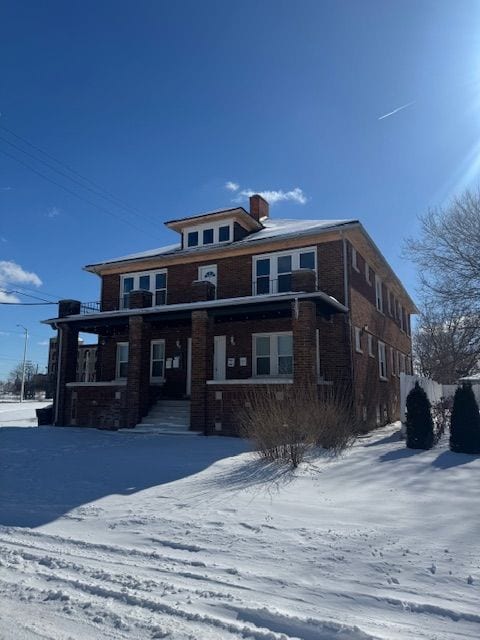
(97, 191)
(71, 169)
(61, 186)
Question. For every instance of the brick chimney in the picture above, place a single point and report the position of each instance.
(258, 207)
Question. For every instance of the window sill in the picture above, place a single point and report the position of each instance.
(383, 379)
(355, 268)
(360, 351)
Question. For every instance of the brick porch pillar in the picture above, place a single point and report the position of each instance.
(201, 365)
(138, 373)
(67, 345)
(304, 344)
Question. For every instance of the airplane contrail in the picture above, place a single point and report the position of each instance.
(391, 113)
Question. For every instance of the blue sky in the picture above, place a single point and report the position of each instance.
(162, 103)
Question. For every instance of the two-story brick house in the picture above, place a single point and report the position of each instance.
(241, 302)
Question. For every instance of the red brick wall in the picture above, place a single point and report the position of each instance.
(104, 407)
(234, 276)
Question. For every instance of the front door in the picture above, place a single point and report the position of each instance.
(219, 357)
(209, 272)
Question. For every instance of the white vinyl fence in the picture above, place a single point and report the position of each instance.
(449, 391)
(434, 390)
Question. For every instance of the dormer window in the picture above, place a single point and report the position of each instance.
(207, 234)
(192, 239)
(224, 234)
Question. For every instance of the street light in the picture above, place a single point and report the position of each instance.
(22, 392)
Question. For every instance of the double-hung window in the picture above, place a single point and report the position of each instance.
(355, 259)
(122, 360)
(273, 354)
(382, 361)
(154, 281)
(358, 340)
(379, 294)
(272, 273)
(157, 360)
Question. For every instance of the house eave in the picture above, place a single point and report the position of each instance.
(215, 307)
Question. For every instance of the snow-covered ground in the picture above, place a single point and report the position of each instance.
(122, 535)
(20, 414)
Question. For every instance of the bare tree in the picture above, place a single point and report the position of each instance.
(446, 343)
(448, 253)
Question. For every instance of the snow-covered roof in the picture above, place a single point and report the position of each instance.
(474, 379)
(271, 229)
(291, 227)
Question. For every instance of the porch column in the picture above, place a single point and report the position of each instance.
(67, 353)
(138, 372)
(201, 361)
(304, 343)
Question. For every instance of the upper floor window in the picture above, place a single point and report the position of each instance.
(272, 273)
(354, 259)
(273, 354)
(382, 360)
(154, 281)
(402, 324)
(207, 234)
(389, 301)
(378, 293)
(370, 345)
(367, 273)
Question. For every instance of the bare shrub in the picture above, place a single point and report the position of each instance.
(284, 426)
(441, 414)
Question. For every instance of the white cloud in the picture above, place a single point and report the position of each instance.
(43, 343)
(53, 212)
(274, 196)
(3, 239)
(232, 186)
(12, 273)
(5, 188)
(8, 297)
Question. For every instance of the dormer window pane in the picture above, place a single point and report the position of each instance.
(193, 239)
(208, 236)
(224, 234)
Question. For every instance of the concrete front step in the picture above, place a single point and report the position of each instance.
(162, 429)
(170, 417)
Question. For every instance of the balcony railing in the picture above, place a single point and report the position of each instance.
(90, 307)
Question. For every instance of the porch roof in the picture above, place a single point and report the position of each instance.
(327, 304)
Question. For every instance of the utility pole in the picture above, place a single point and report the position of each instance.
(22, 392)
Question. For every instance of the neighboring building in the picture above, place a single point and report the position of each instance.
(86, 364)
(242, 302)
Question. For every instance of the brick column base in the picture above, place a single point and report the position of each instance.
(201, 365)
(138, 374)
(304, 344)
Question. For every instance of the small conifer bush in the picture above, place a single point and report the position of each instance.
(419, 420)
(465, 422)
